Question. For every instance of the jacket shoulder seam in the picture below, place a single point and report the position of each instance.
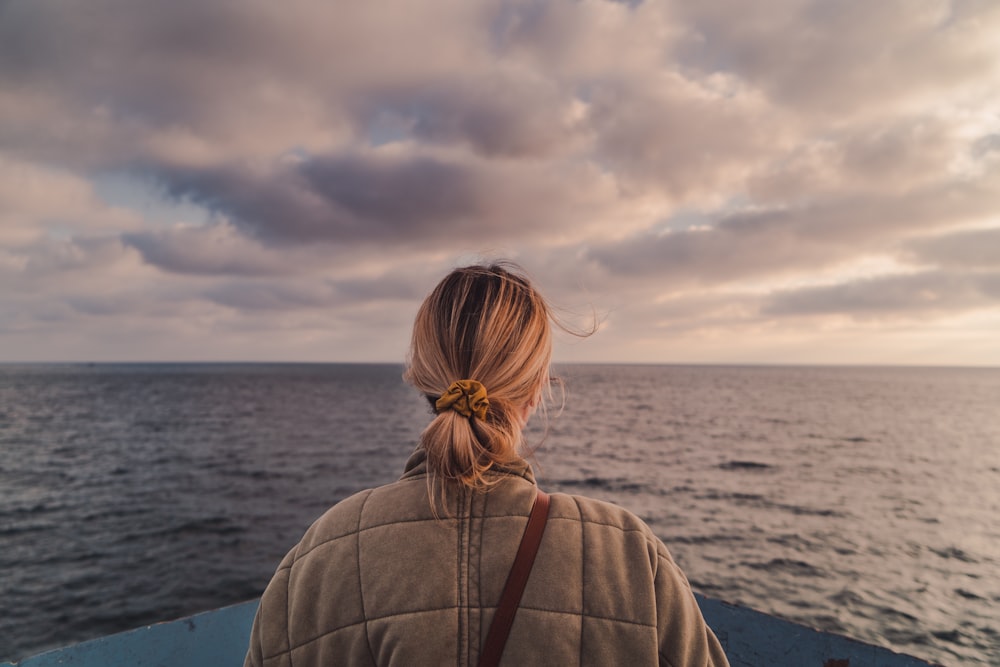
(357, 531)
(582, 519)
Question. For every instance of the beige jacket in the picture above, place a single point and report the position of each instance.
(378, 580)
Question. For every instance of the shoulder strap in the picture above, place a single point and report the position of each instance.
(503, 619)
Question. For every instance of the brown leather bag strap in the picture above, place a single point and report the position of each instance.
(503, 619)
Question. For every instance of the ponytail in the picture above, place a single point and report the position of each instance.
(463, 448)
(480, 353)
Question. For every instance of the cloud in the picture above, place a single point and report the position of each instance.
(738, 247)
(922, 294)
(504, 112)
(825, 57)
(320, 292)
(272, 296)
(679, 135)
(970, 249)
(38, 199)
(52, 256)
(816, 234)
(397, 197)
(686, 168)
(216, 249)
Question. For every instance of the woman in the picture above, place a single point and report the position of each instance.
(411, 573)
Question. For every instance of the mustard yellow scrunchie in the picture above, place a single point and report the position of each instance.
(466, 397)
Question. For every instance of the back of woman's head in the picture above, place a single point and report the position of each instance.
(485, 324)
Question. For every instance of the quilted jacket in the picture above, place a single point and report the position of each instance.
(379, 580)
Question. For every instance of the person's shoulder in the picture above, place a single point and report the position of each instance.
(611, 526)
(400, 501)
(599, 512)
(339, 521)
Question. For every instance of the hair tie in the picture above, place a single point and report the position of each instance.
(466, 397)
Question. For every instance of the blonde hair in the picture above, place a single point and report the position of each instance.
(484, 323)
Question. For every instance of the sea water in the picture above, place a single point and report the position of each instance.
(863, 501)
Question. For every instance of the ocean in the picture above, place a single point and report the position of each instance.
(862, 500)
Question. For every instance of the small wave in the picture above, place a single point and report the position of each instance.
(846, 597)
(797, 568)
(210, 526)
(706, 539)
(892, 613)
(857, 439)
(956, 553)
(807, 511)
(827, 623)
(604, 483)
(217, 525)
(12, 531)
(905, 637)
(252, 474)
(31, 510)
(706, 587)
(792, 540)
(115, 513)
(759, 501)
(968, 594)
(745, 465)
(950, 636)
(730, 495)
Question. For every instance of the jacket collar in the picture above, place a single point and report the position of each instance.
(416, 466)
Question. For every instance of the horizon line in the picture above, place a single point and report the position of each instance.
(259, 362)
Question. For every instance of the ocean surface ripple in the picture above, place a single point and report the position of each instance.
(863, 501)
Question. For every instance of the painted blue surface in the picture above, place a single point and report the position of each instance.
(755, 639)
(219, 638)
(216, 638)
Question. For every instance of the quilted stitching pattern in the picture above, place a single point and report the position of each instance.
(379, 580)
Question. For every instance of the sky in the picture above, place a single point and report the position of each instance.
(783, 181)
